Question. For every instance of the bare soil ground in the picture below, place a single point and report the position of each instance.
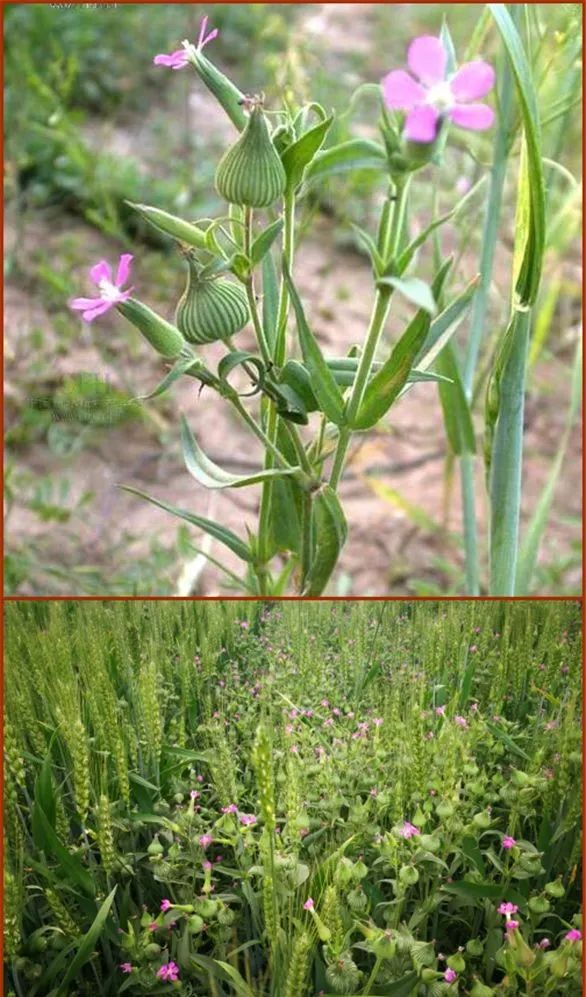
(397, 543)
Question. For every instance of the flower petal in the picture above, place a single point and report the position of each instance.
(175, 60)
(101, 271)
(123, 269)
(202, 30)
(401, 91)
(92, 313)
(80, 304)
(213, 34)
(473, 80)
(427, 59)
(476, 117)
(421, 124)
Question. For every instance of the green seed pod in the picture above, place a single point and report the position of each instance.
(195, 924)
(155, 847)
(226, 916)
(539, 905)
(445, 810)
(251, 173)
(555, 889)
(343, 976)
(163, 337)
(474, 947)
(207, 908)
(482, 820)
(152, 951)
(430, 843)
(210, 309)
(357, 900)
(456, 962)
(480, 990)
(408, 875)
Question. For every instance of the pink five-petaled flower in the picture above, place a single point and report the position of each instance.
(165, 905)
(460, 721)
(440, 711)
(427, 93)
(508, 842)
(169, 971)
(409, 830)
(511, 924)
(111, 292)
(126, 967)
(206, 840)
(450, 975)
(308, 905)
(507, 909)
(573, 936)
(180, 58)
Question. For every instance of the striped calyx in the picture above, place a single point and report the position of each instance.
(251, 173)
(211, 308)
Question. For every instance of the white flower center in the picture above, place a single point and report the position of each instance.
(108, 291)
(440, 96)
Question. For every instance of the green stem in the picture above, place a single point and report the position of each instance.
(256, 429)
(373, 975)
(469, 517)
(306, 545)
(389, 240)
(249, 285)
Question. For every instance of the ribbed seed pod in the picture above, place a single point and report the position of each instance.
(296, 984)
(343, 976)
(250, 172)
(210, 310)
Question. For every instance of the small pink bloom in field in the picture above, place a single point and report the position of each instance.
(427, 94)
(329, 722)
(440, 711)
(377, 721)
(573, 936)
(165, 905)
(474, 708)
(508, 909)
(126, 967)
(247, 819)
(153, 926)
(450, 975)
(230, 809)
(294, 749)
(325, 703)
(111, 292)
(473, 648)
(461, 721)
(308, 905)
(194, 794)
(169, 971)
(508, 842)
(511, 925)
(544, 943)
(409, 830)
(207, 866)
(179, 58)
(206, 840)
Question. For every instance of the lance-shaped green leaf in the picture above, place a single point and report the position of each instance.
(532, 182)
(207, 473)
(444, 326)
(357, 154)
(225, 536)
(47, 839)
(457, 416)
(87, 945)
(330, 532)
(325, 388)
(239, 358)
(297, 156)
(171, 225)
(415, 290)
(185, 365)
(264, 241)
(286, 503)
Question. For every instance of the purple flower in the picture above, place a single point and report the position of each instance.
(450, 975)
(377, 721)
(111, 292)
(165, 905)
(194, 794)
(507, 909)
(247, 819)
(205, 840)
(180, 58)
(409, 830)
(573, 936)
(544, 943)
(169, 971)
(153, 926)
(230, 809)
(126, 967)
(427, 94)
(440, 711)
(460, 721)
(508, 842)
(511, 924)
(308, 905)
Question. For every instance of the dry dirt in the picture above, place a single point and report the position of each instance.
(390, 548)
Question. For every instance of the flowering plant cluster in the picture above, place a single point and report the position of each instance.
(303, 406)
(238, 821)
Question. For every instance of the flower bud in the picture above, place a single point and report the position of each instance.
(251, 173)
(163, 337)
(343, 976)
(210, 309)
(155, 847)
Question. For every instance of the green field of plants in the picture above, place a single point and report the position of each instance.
(292, 799)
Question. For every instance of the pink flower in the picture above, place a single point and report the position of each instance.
(169, 971)
(247, 819)
(180, 58)
(508, 842)
(440, 711)
(573, 936)
(433, 95)
(308, 905)
(511, 925)
(460, 721)
(508, 909)
(111, 292)
(126, 967)
(544, 943)
(377, 721)
(207, 866)
(165, 905)
(194, 794)
(409, 830)
(205, 840)
(450, 975)
(153, 926)
(230, 809)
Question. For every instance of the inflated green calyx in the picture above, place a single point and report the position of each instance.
(251, 173)
(211, 309)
